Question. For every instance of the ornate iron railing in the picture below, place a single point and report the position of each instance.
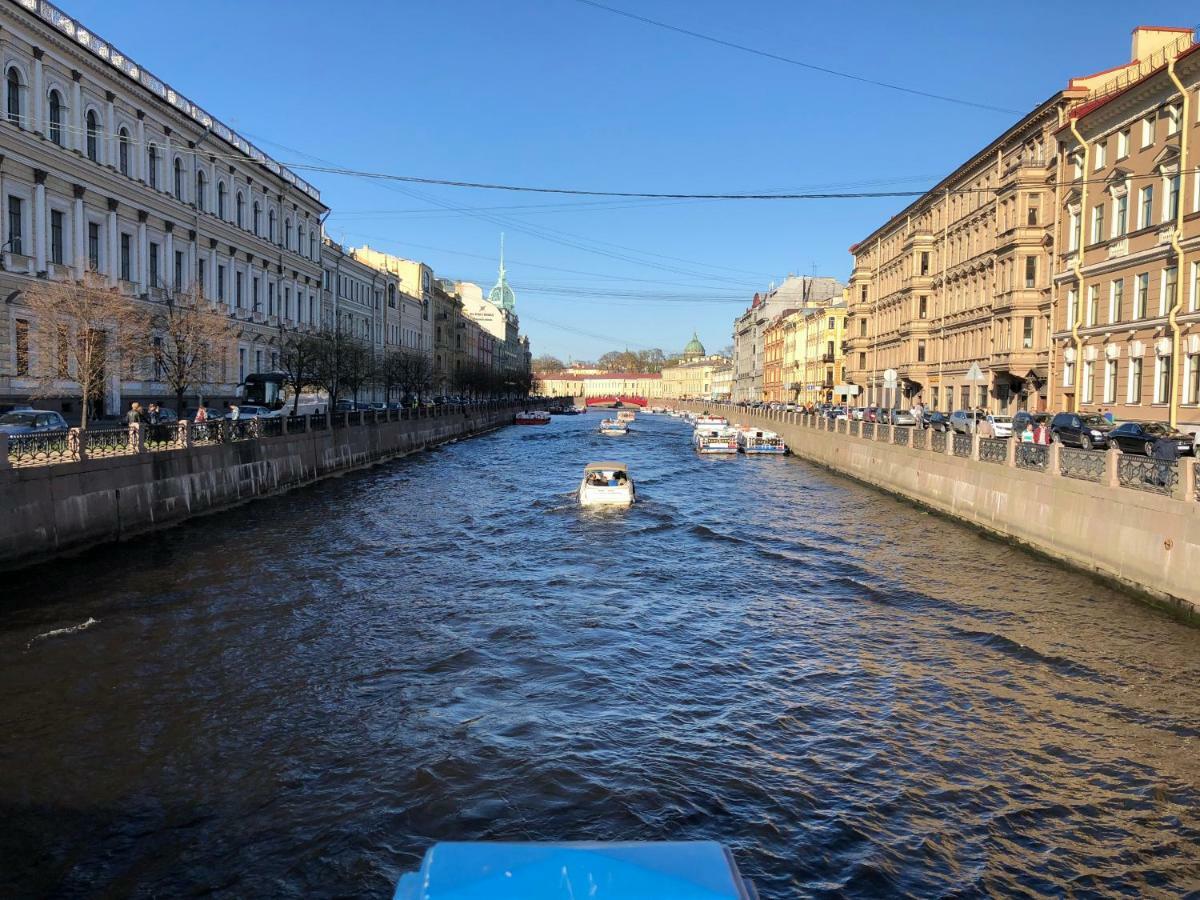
(319, 423)
(1086, 465)
(100, 442)
(1146, 474)
(962, 445)
(42, 448)
(920, 438)
(1032, 456)
(270, 427)
(240, 429)
(163, 437)
(900, 435)
(206, 432)
(296, 424)
(993, 450)
(938, 441)
(855, 428)
(868, 430)
(884, 433)
(341, 420)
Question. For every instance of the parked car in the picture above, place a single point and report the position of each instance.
(857, 413)
(903, 417)
(1024, 417)
(963, 421)
(249, 411)
(1139, 437)
(1080, 430)
(31, 421)
(938, 421)
(871, 414)
(13, 407)
(1002, 426)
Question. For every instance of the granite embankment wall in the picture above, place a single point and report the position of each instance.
(47, 510)
(1143, 540)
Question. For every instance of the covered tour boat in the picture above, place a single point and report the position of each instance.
(757, 442)
(626, 416)
(534, 417)
(606, 484)
(709, 421)
(612, 427)
(715, 439)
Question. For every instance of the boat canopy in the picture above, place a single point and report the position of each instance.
(606, 467)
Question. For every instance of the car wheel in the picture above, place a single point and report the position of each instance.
(1085, 442)
(1149, 448)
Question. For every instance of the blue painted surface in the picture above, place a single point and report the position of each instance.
(693, 870)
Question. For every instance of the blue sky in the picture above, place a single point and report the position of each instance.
(557, 93)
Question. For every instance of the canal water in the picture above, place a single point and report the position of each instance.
(298, 697)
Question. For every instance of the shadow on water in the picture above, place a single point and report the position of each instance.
(298, 696)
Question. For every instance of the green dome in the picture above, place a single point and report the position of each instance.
(694, 347)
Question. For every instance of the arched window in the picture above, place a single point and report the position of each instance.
(178, 179)
(93, 136)
(13, 80)
(312, 246)
(271, 226)
(152, 165)
(200, 198)
(287, 234)
(56, 112)
(300, 239)
(256, 217)
(123, 151)
(220, 199)
(240, 205)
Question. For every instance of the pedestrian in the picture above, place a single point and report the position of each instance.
(1108, 415)
(1166, 456)
(1027, 435)
(1041, 434)
(235, 412)
(201, 414)
(918, 412)
(984, 428)
(134, 416)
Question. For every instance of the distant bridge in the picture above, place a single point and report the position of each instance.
(617, 400)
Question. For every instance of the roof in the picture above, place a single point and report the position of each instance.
(604, 466)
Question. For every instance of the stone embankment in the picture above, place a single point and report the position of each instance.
(110, 490)
(1129, 519)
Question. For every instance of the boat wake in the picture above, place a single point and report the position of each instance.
(59, 632)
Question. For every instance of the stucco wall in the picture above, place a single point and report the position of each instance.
(51, 509)
(1140, 539)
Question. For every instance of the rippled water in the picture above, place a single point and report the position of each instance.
(299, 696)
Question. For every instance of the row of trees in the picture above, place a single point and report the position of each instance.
(78, 330)
(642, 361)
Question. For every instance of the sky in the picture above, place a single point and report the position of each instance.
(558, 93)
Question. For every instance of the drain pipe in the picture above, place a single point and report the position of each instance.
(1176, 233)
(1077, 266)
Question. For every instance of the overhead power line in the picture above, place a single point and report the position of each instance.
(766, 54)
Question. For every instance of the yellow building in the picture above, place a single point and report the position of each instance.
(694, 375)
(606, 384)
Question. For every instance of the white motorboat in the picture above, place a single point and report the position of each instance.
(715, 439)
(606, 484)
(757, 442)
(708, 421)
(612, 427)
(626, 416)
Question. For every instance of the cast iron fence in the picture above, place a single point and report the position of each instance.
(993, 450)
(1086, 465)
(938, 441)
(41, 448)
(1146, 474)
(1032, 456)
(962, 445)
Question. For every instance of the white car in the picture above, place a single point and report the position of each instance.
(1001, 426)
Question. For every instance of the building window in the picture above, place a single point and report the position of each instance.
(1027, 333)
(126, 258)
(1031, 271)
(1141, 295)
(270, 298)
(1073, 231)
(237, 289)
(14, 226)
(1068, 374)
(1110, 381)
(93, 136)
(178, 169)
(300, 239)
(220, 200)
(1116, 297)
(1171, 207)
(256, 215)
(1100, 154)
(179, 266)
(256, 303)
(1122, 144)
(239, 206)
(1191, 379)
(201, 270)
(220, 282)
(152, 165)
(920, 351)
(241, 364)
(56, 237)
(924, 264)
(1146, 207)
(200, 192)
(1092, 313)
(287, 238)
(1170, 284)
(153, 264)
(312, 246)
(1172, 120)
(123, 152)
(1072, 301)
(21, 345)
(1133, 393)
(1097, 223)
(56, 111)
(1147, 131)
(14, 97)
(94, 246)
(1194, 290)
(1162, 379)
(922, 309)
(1121, 215)
(1085, 386)
(271, 226)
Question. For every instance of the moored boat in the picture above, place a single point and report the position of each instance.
(533, 417)
(710, 421)
(612, 427)
(715, 439)
(606, 484)
(626, 416)
(757, 442)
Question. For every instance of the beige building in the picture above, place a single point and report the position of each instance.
(956, 292)
(1127, 327)
(648, 386)
(692, 375)
(812, 354)
(107, 168)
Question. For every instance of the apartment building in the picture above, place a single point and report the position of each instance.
(105, 167)
(1127, 334)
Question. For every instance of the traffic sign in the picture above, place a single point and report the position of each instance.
(975, 374)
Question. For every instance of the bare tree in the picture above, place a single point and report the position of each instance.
(358, 365)
(328, 366)
(298, 355)
(188, 336)
(415, 372)
(79, 331)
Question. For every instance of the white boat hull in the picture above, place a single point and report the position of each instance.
(594, 495)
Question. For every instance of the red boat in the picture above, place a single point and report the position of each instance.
(537, 417)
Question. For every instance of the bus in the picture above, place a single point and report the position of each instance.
(270, 389)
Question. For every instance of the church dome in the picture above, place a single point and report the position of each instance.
(694, 347)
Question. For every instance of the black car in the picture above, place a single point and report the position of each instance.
(1023, 417)
(938, 421)
(1139, 437)
(1084, 430)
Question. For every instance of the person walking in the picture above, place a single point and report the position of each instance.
(1027, 435)
(1108, 415)
(918, 413)
(134, 416)
(1041, 434)
(984, 428)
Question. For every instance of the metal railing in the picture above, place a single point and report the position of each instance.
(318, 423)
(884, 433)
(868, 430)
(920, 439)
(900, 434)
(937, 442)
(1146, 474)
(296, 424)
(41, 448)
(104, 442)
(1086, 465)
(993, 450)
(270, 427)
(1032, 456)
(855, 428)
(962, 445)
(206, 432)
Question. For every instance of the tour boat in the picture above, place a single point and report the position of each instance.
(706, 420)
(606, 484)
(715, 439)
(754, 441)
(626, 416)
(535, 417)
(613, 427)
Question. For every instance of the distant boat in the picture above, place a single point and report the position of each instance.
(536, 417)
(606, 484)
(612, 427)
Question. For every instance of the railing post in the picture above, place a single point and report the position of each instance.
(308, 423)
(183, 433)
(1053, 465)
(949, 433)
(4, 463)
(975, 447)
(137, 438)
(1112, 467)
(1185, 483)
(283, 423)
(1011, 452)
